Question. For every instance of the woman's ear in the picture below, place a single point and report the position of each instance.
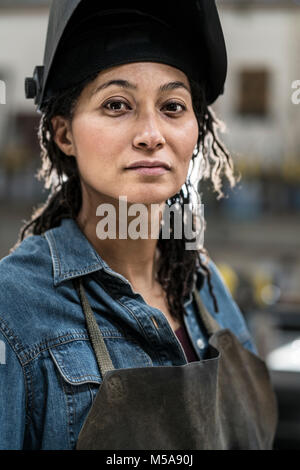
(63, 136)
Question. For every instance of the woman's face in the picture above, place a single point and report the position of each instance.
(131, 113)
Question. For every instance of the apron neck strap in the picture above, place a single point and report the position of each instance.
(208, 321)
(102, 355)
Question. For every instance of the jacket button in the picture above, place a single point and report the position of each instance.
(200, 343)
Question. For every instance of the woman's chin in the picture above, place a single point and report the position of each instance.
(151, 197)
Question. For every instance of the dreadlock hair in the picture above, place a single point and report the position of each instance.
(177, 267)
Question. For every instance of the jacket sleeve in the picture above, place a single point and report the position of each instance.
(12, 398)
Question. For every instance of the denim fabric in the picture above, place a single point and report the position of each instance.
(48, 371)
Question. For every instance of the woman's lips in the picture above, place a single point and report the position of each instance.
(147, 170)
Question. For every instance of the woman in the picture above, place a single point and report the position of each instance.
(93, 324)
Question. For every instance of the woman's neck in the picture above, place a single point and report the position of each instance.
(136, 260)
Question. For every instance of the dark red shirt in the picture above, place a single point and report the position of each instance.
(186, 343)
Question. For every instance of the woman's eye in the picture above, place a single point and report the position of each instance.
(116, 106)
(174, 107)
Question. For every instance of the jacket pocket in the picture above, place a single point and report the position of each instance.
(76, 362)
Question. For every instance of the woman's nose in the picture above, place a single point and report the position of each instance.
(148, 134)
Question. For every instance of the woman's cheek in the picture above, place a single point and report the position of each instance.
(187, 137)
(87, 138)
(192, 133)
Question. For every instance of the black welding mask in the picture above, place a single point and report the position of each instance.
(85, 37)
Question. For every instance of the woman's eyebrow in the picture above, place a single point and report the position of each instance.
(127, 85)
(173, 85)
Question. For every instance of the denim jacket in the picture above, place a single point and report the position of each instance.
(48, 371)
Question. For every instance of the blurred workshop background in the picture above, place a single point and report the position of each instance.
(253, 233)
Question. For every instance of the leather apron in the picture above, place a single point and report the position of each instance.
(221, 403)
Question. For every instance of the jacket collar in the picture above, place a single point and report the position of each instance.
(71, 252)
